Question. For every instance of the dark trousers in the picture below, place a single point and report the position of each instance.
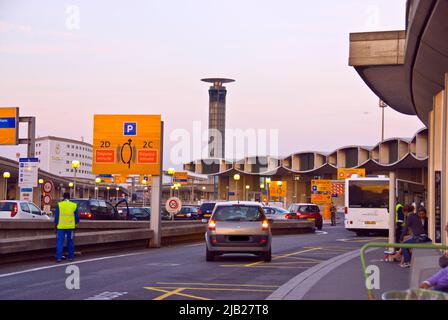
(398, 231)
(60, 244)
(414, 239)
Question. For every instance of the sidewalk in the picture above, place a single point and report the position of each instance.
(341, 278)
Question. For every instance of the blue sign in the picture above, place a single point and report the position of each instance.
(26, 190)
(130, 129)
(7, 123)
(29, 160)
(314, 188)
(231, 193)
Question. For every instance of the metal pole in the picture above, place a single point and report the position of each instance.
(74, 184)
(392, 204)
(6, 189)
(382, 129)
(156, 199)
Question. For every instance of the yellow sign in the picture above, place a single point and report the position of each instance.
(120, 179)
(181, 178)
(321, 198)
(126, 144)
(278, 188)
(321, 185)
(148, 180)
(347, 173)
(9, 126)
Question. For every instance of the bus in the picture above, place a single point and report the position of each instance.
(367, 205)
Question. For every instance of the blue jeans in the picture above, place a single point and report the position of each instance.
(406, 252)
(60, 244)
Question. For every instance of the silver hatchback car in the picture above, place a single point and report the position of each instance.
(238, 227)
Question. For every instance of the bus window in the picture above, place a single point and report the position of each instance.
(369, 194)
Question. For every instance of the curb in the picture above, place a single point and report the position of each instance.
(299, 286)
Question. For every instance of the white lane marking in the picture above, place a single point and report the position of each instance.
(195, 245)
(162, 264)
(321, 232)
(67, 264)
(107, 296)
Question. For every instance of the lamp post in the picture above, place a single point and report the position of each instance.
(383, 106)
(262, 186)
(75, 165)
(6, 176)
(117, 189)
(203, 192)
(96, 193)
(97, 181)
(41, 182)
(71, 185)
(145, 190)
(268, 184)
(247, 192)
(108, 189)
(171, 172)
(279, 184)
(237, 178)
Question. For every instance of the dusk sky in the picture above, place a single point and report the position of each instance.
(289, 59)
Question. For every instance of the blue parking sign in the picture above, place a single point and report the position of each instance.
(130, 129)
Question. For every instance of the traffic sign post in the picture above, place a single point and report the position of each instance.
(173, 206)
(130, 145)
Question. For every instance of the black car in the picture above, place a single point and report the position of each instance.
(205, 210)
(136, 213)
(165, 215)
(96, 209)
(187, 213)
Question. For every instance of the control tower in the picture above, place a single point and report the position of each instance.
(217, 116)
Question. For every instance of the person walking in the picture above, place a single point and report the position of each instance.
(333, 214)
(66, 218)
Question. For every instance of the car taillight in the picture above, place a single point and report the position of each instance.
(14, 210)
(199, 211)
(212, 225)
(86, 215)
(287, 216)
(265, 225)
(346, 210)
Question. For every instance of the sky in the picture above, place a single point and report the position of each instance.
(64, 61)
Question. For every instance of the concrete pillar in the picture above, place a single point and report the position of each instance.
(392, 204)
(2, 188)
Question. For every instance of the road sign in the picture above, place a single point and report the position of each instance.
(120, 179)
(127, 144)
(28, 172)
(47, 199)
(347, 173)
(278, 188)
(321, 185)
(9, 126)
(47, 187)
(173, 205)
(181, 178)
(26, 194)
(321, 198)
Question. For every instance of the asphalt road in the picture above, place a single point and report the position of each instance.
(178, 272)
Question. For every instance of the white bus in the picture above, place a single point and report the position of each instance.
(367, 205)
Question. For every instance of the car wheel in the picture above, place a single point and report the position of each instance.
(267, 256)
(362, 233)
(319, 227)
(209, 255)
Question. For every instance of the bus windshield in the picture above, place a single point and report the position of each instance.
(369, 194)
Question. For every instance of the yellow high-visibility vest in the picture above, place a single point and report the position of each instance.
(67, 215)
(397, 207)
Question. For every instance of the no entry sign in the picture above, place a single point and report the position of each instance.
(173, 205)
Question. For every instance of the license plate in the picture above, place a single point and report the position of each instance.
(311, 219)
(207, 215)
(181, 215)
(370, 222)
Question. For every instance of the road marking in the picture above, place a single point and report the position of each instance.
(281, 257)
(332, 249)
(218, 284)
(162, 264)
(67, 264)
(321, 232)
(171, 293)
(266, 265)
(107, 295)
(218, 289)
(194, 245)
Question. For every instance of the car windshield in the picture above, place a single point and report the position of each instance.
(207, 206)
(82, 205)
(6, 206)
(188, 210)
(238, 213)
(280, 210)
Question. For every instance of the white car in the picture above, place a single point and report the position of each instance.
(12, 209)
(277, 213)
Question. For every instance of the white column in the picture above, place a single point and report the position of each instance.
(392, 204)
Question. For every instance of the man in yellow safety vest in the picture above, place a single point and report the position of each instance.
(66, 218)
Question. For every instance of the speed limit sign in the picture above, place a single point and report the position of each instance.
(48, 186)
(173, 205)
(47, 199)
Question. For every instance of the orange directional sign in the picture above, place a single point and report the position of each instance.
(321, 198)
(347, 173)
(181, 178)
(126, 144)
(321, 185)
(278, 188)
(9, 126)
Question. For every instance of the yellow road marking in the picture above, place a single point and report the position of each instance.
(178, 292)
(217, 289)
(333, 249)
(218, 284)
(282, 256)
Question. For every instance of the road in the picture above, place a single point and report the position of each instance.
(178, 272)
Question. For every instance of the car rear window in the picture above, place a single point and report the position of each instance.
(309, 209)
(208, 206)
(82, 205)
(6, 206)
(238, 213)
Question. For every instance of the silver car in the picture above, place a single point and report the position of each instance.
(238, 227)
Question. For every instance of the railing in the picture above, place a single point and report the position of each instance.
(370, 294)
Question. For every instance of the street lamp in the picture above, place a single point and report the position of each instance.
(171, 172)
(237, 178)
(383, 106)
(117, 189)
(107, 188)
(145, 190)
(41, 182)
(97, 181)
(247, 193)
(203, 191)
(75, 165)
(6, 176)
(70, 185)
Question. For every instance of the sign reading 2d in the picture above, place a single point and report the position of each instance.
(126, 144)
(9, 126)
